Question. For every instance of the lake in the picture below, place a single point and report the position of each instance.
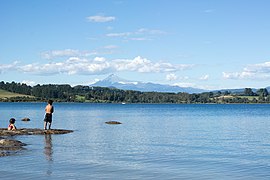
(154, 141)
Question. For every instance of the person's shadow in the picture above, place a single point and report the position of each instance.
(48, 151)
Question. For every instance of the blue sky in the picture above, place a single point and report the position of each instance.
(192, 43)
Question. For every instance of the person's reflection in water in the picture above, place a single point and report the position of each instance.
(48, 151)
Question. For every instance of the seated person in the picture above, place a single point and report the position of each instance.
(11, 125)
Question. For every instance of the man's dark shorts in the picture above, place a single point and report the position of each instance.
(48, 118)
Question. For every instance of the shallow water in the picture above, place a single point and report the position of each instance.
(155, 141)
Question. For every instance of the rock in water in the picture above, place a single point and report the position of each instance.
(11, 143)
(25, 119)
(10, 146)
(113, 122)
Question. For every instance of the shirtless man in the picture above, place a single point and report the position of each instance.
(48, 116)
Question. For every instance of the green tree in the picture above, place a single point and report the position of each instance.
(263, 92)
(248, 92)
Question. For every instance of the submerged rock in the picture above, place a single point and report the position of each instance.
(10, 143)
(10, 146)
(29, 131)
(113, 122)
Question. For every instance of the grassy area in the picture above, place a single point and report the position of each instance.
(80, 98)
(250, 97)
(6, 94)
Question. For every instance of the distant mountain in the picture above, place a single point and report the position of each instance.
(120, 83)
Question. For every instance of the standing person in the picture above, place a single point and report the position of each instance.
(48, 116)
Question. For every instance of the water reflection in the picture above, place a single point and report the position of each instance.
(48, 148)
(48, 152)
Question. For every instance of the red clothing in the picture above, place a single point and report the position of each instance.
(11, 127)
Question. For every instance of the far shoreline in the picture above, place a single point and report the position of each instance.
(64, 102)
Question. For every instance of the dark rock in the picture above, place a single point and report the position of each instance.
(25, 119)
(113, 122)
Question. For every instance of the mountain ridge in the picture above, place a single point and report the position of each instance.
(120, 83)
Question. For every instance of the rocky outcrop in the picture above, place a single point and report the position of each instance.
(29, 131)
(10, 146)
(10, 143)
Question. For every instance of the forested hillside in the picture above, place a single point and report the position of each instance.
(66, 93)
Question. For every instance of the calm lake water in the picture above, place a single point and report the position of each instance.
(155, 141)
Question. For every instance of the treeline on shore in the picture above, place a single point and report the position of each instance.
(66, 93)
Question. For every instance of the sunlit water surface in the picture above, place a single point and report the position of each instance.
(154, 141)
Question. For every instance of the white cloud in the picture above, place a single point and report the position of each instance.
(149, 31)
(253, 71)
(141, 34)
(183, 78)
(240, 75)
(259, 68)
(184, 84)
(66, 53)
(140, 39)
(171, 77)
(42, 69)
(71, 66)
(29, 83)
(124, 34)
(100, 18)
(110, 47)
(7, 67)
(83, 66)
(99, 65)
(137, 64)
(205, 77)
(99, 59)
(144, 65)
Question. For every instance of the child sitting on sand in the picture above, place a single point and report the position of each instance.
(11, 125)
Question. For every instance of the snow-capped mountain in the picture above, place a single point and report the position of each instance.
(120, 83)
